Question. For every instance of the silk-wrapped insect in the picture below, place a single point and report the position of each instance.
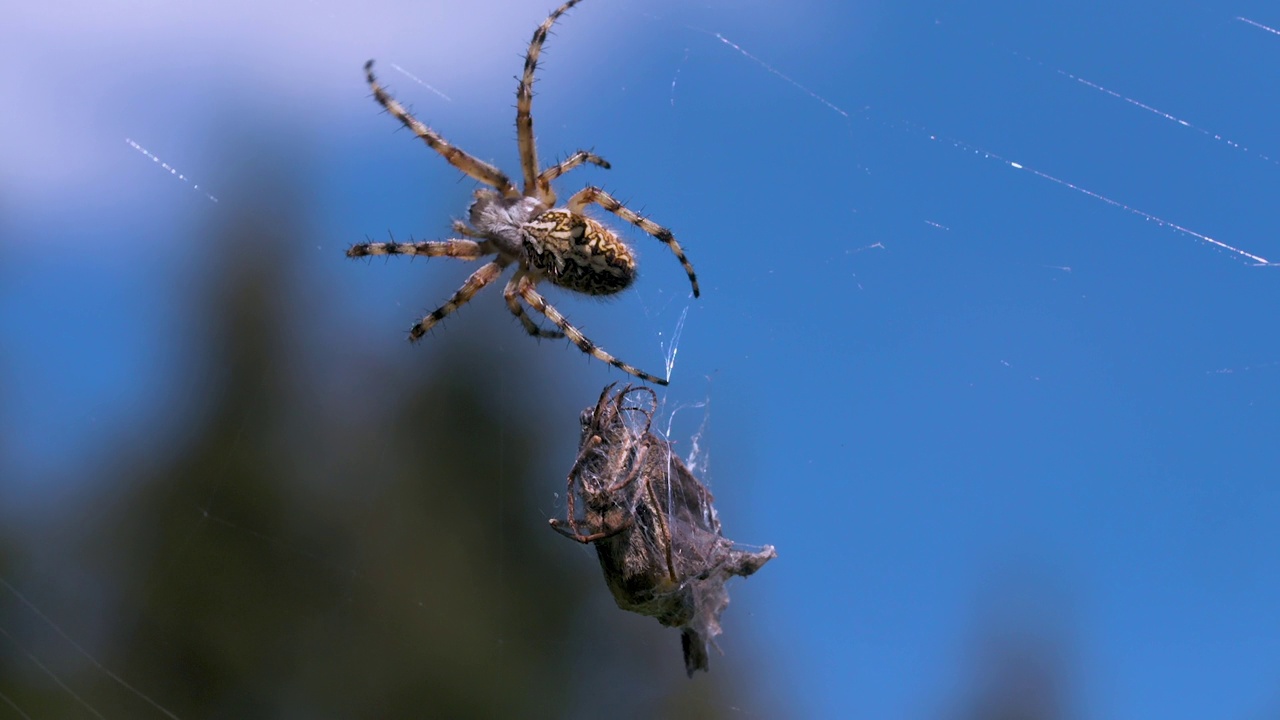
(652, 522)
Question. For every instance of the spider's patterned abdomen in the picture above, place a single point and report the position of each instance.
(578, 253)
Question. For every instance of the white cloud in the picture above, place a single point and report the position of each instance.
(79, 78)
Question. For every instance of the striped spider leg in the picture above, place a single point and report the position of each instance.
(526, 229)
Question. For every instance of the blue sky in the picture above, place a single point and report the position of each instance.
(964, 317)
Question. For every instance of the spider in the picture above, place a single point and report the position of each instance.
(526, 229)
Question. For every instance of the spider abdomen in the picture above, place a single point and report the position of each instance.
(578, 253)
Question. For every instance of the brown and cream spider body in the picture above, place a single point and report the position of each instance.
(558, 244)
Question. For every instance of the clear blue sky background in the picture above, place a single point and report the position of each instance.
(943, 369)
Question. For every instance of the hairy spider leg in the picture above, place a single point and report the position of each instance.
(575, 533)
(548, 176)
(659, 513)
(454, 248)
(512, 296)
(462, 229)
(485, 275)
(524, 101)
(524, 288)
(637, 466)
(587, 195)
(588, 539)
(589, 447)
(475, 168)
(646, 411)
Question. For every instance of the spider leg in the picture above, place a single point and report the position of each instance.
(548, 176)
(588, 448)
(659, 514)
(454, 248)
(478, 169)
(464, 230)
(587, 195)
(485, 275)
(512, 296)
(524, 287)
(637, 464)
(659, 511)
(524, 101)
(593, 537)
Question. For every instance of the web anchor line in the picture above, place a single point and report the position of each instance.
(172, 171)
(1257, 259)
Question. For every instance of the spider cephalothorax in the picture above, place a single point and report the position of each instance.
(527, 229)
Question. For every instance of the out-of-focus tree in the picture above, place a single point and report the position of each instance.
(1018, 663)
(294, 550)
(1017, 680)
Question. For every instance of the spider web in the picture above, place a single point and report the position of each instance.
(230, 488)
